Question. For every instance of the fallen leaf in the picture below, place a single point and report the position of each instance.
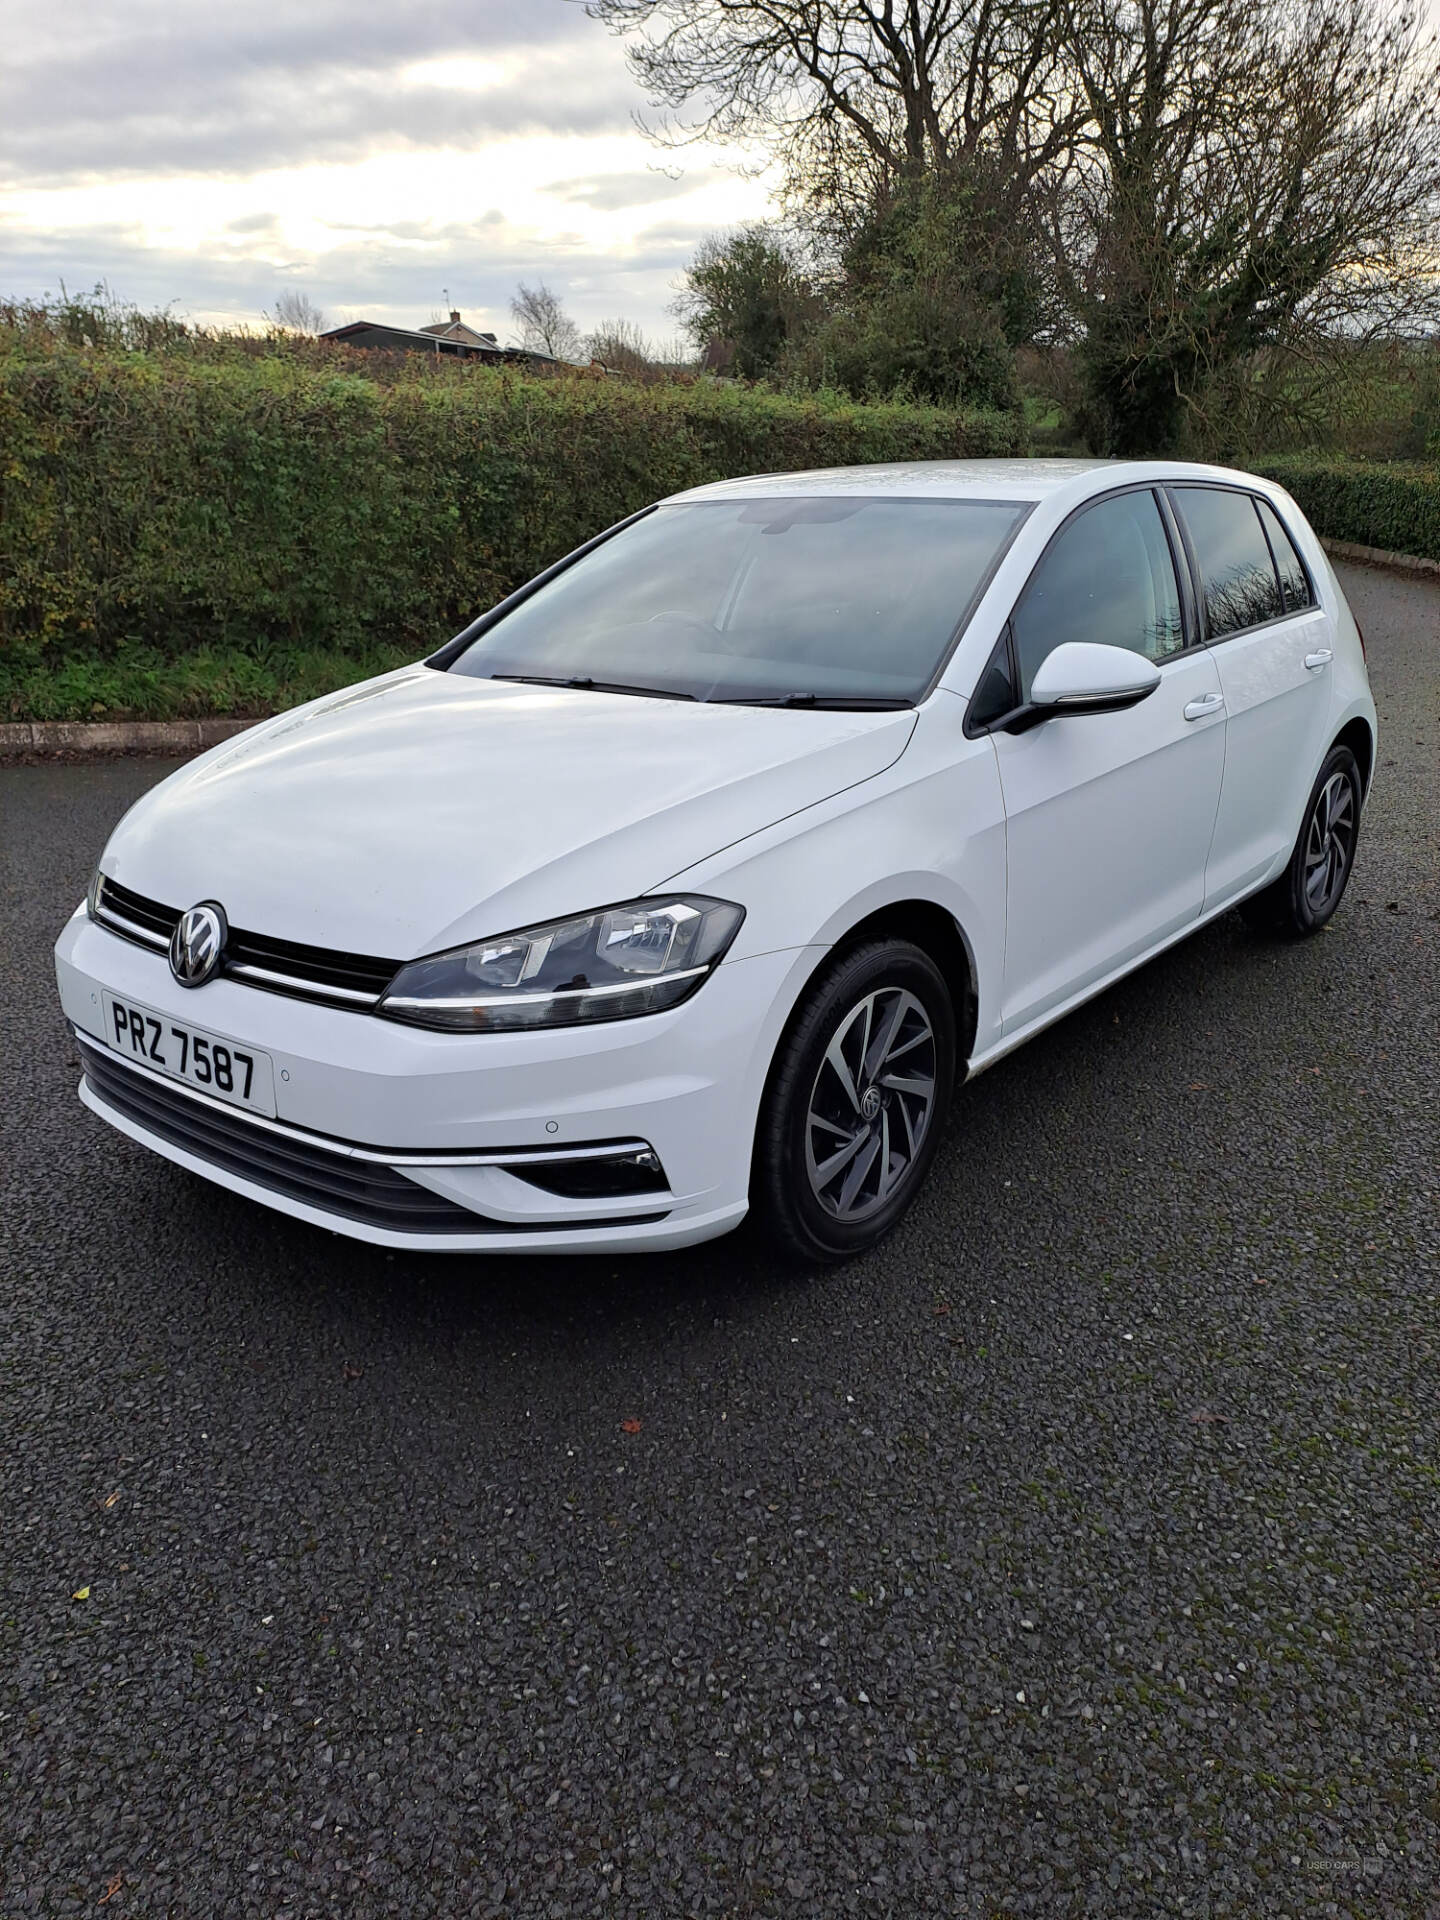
(1199, 1086)
(630, 1426)
(353, 1373)
(944, 1307)
(117, 1881)
(1203, 1417)
(81, 1593)
(113, 1498)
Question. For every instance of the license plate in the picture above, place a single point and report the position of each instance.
(224, 1069)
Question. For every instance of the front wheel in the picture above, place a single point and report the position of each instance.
(1309, 890)
(856, 1101)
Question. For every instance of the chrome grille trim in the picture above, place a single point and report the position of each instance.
(349, 1149)
(129, 929)
(303, 989)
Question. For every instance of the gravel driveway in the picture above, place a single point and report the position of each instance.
(1078, 1552)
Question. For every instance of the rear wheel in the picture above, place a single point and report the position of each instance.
(856, 1102)
(1310, 888)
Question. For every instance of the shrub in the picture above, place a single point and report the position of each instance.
(1396, 508)
(155, 507)
(930, 299)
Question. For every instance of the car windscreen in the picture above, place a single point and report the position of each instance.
(772, 598)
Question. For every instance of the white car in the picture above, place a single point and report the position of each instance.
(693, 877)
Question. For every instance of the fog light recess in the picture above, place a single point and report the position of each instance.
(598, 1177)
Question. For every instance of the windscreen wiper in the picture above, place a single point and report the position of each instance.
(585, 684)
(826, 702)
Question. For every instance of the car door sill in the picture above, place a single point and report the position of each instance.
(1010, 1041)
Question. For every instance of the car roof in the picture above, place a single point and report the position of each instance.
(1021, 480)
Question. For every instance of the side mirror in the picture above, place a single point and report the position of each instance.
(1081, 677)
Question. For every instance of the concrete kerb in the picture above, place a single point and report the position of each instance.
(84, 739)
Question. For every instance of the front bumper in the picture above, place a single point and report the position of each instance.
(437, 1107)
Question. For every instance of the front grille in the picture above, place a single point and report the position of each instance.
(357, 1189)
(354, 980)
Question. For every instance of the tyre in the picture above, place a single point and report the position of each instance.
(856, 1102)
(1310, 888)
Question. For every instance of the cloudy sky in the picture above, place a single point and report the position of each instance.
(371, 153)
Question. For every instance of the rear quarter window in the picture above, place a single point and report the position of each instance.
(1294, 581)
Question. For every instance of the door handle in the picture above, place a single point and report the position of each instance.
(1322, 658)
(1207, 703)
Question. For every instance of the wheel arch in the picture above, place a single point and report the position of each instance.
(936, 931)
(1357, 735)
(922, 922)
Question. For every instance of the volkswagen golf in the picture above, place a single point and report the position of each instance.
(696, 875)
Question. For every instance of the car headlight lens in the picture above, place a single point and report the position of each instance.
(92, 892)
(637, 958)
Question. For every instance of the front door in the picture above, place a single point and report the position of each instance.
(1109, 816)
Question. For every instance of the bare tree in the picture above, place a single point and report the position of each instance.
(297, 313)
(1225, 188)
(1261, 186)
(620, 345)
(851, 93)
(544, 325)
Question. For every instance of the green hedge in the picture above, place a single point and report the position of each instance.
(1393, 507)
(180, 535)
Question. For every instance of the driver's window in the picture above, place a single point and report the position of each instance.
(1107, 576)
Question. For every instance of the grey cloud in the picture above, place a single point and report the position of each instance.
(609, 192)
(109, 89)
(428, 232)
(673, 239)
(124, 93)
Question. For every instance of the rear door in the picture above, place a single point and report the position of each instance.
(1272, 644)
(1108, 815)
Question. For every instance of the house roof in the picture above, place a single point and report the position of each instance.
(447, 339)
(455, 329)
(375, 333)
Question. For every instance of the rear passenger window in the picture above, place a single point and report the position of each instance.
(1107, 576)
(1237, 575)
(1294, 581)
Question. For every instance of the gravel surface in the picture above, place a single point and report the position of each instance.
(1078, 1552)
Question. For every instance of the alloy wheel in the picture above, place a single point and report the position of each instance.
(871, 1104)
(1329, 842)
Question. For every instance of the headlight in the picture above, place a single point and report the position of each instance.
(641, 957)
(92, 892)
